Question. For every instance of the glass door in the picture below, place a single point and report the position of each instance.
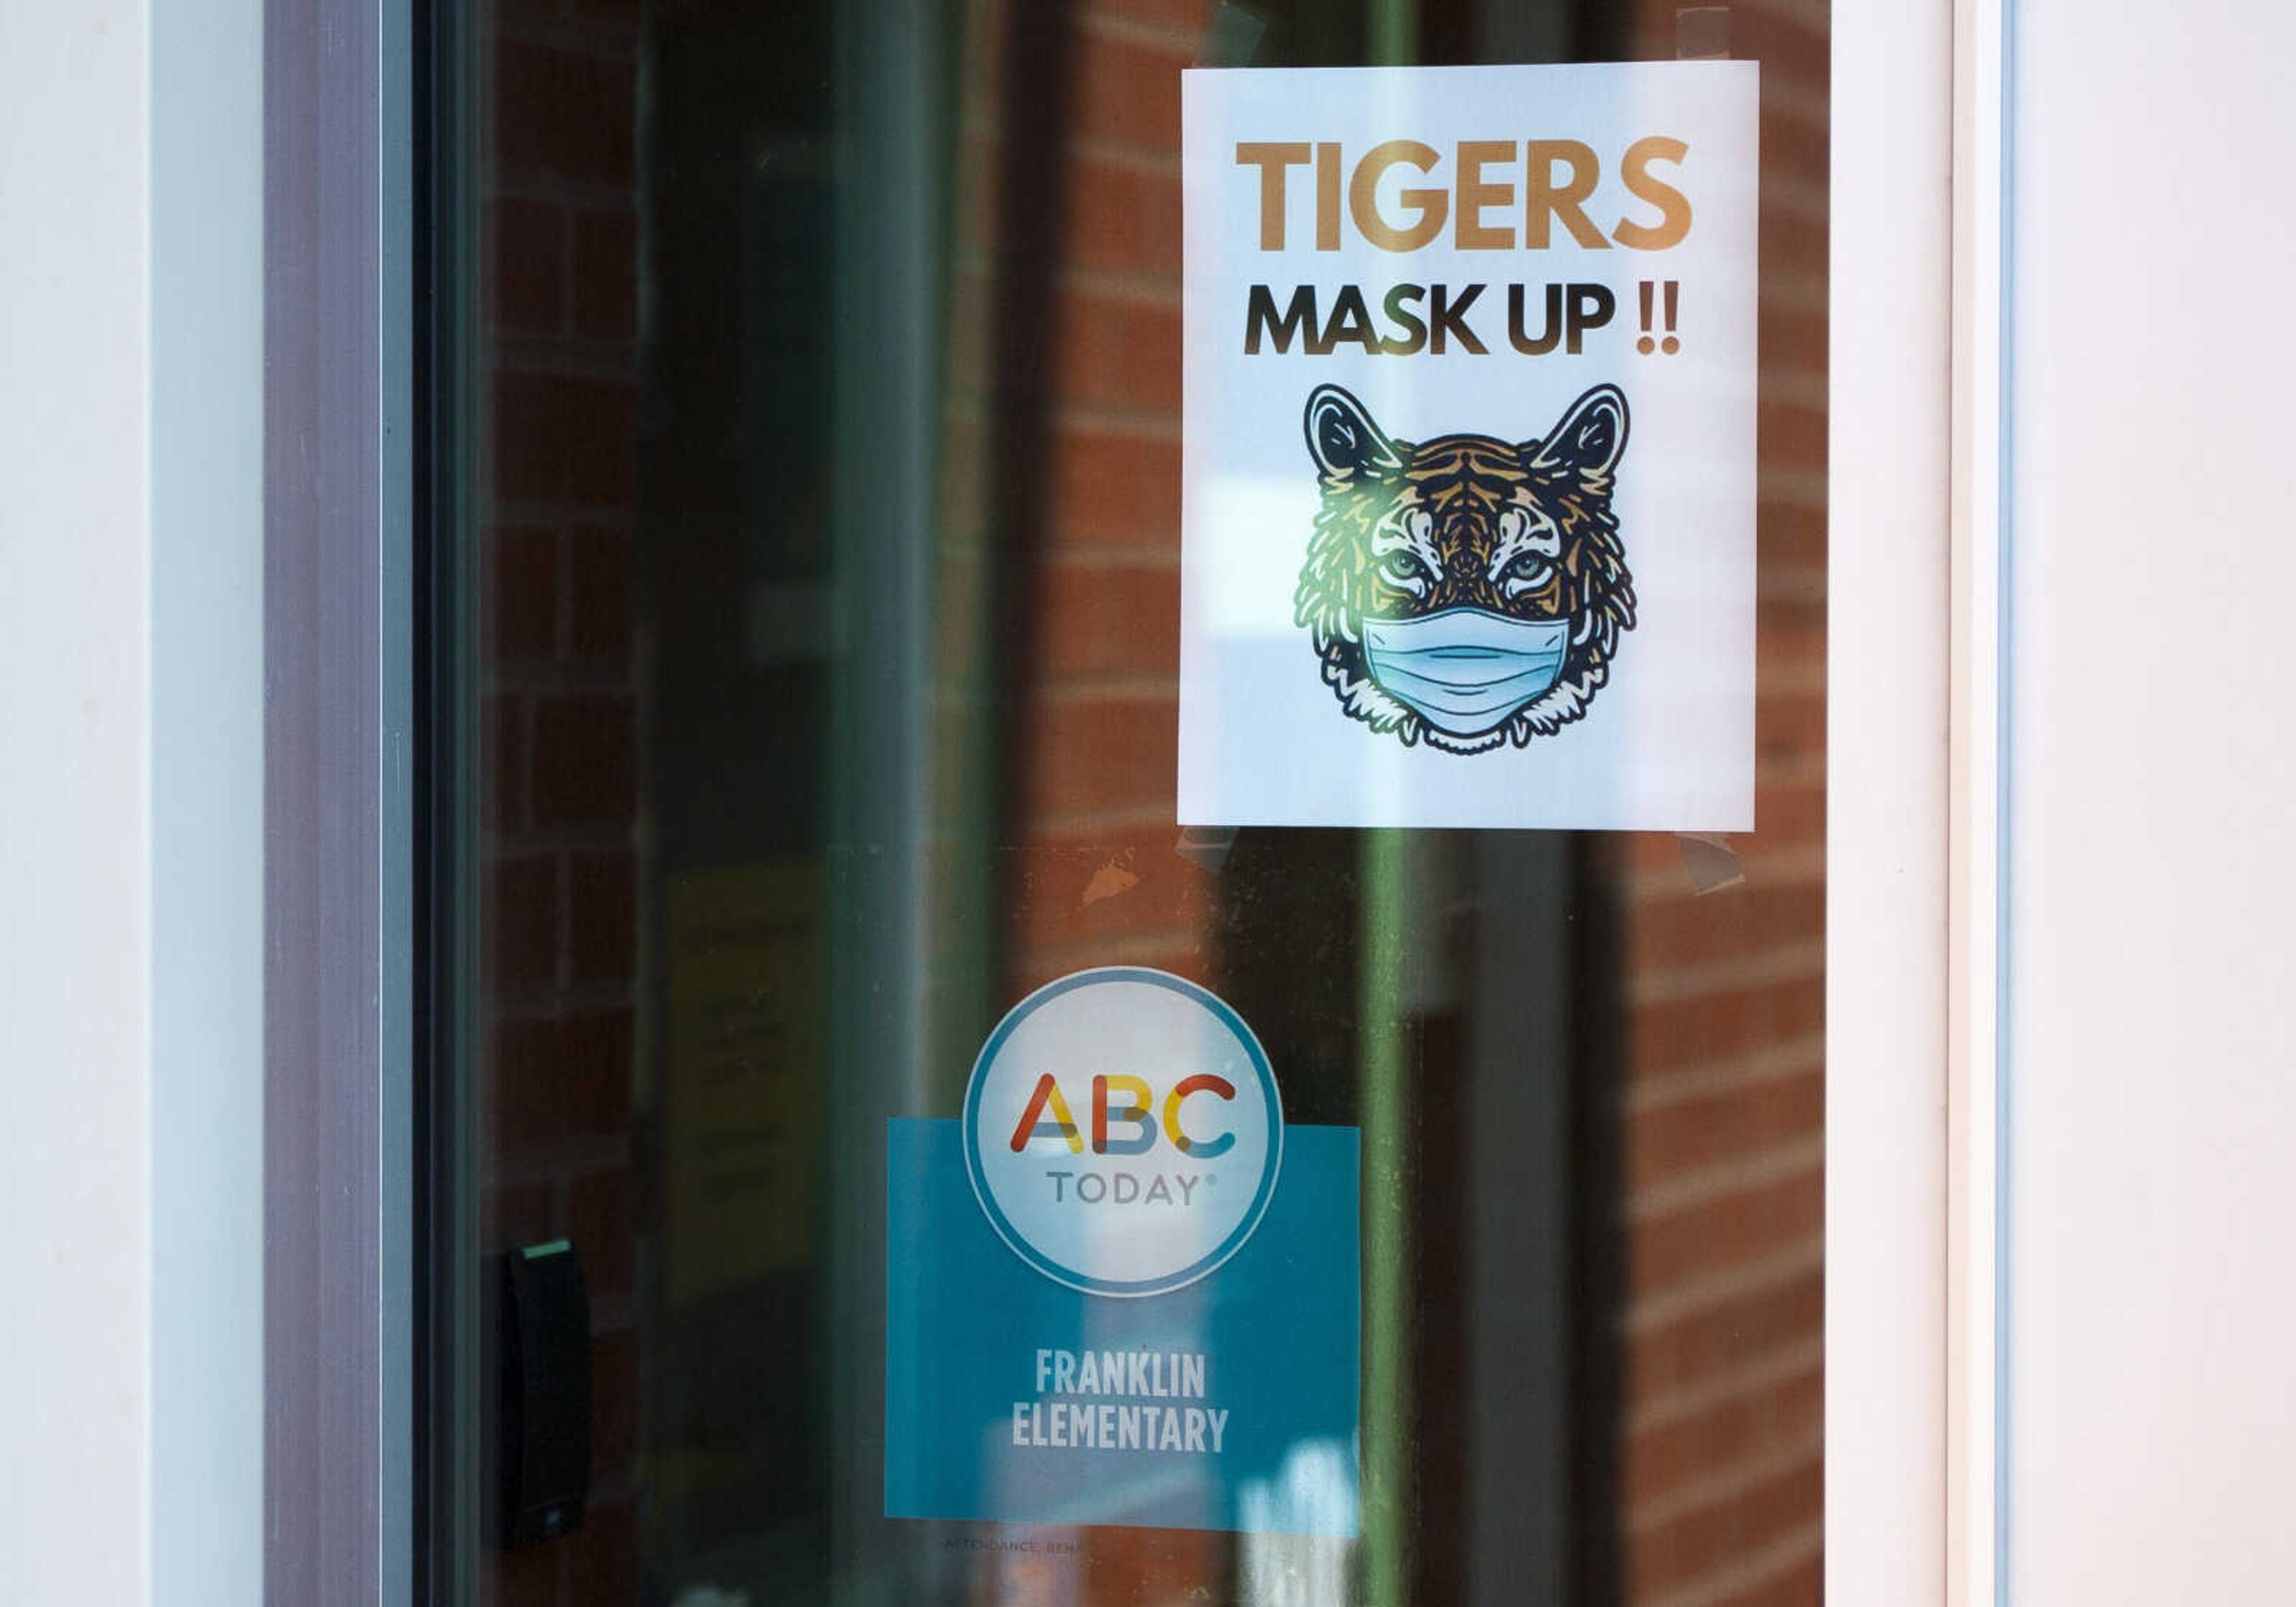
(810, 582)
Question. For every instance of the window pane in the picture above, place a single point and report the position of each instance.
(830, 389)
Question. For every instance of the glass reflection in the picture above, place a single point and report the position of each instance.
(832, 551)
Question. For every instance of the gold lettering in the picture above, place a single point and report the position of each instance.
(1544, 200)
(1673, 205)
(1428, 206)
(1477, 193)
(1271, 159)
(1327, 196)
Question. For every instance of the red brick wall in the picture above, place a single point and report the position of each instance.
(559, 261)
(1724, 1105)
(1721, 1111)
(1096, 882)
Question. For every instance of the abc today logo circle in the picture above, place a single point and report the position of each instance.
(1122, 1131)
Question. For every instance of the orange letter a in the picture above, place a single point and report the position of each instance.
(1061, 1126)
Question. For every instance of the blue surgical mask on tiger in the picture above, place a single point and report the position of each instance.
(1465, 670)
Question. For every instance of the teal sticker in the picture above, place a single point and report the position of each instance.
(1229, 1402)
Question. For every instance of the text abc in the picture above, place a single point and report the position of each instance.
(1047, 1115)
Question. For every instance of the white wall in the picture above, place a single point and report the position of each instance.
(130, 789)
(75, 708)
(2152, 969)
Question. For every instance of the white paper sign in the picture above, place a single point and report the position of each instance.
(1468, 505)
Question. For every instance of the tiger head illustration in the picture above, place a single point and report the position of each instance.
(1466, 590)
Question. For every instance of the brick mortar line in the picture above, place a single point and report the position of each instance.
(1713, 1490)
(1802, 292)
(1115, 284)
(1798, 584)
(1788, 1550)
(1780, 963)
(1808, 407)
(1815, 18)
(1119, 423)
(1803, 387)
(1097, 559)
(1150, 289)
(1093, 418)
(1795, 488)
(1102, 688)
(1143, 540)
(1148, 160)
(1697, 1297)
(1795, 680)
(1755, 1069)
(1115, 947)
(1110, 832)
(1795, 773)
(1791, 1361)
(1139, 30)
(1067, 823)
(1778, 392)
(1802, 772)
(1159, 554)
(1779, 1163)
(1126, 295)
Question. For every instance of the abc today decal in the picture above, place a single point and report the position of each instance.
(1123, 1132)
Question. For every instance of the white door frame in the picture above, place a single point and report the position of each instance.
(1914, 820)
(1976, 1144)
(1913, 801)
(338, 1156)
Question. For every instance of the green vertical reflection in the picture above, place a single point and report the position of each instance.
(1387, 1188)
(1394, 42)
(1394, 32)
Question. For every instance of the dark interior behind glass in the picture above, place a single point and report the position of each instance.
(824, 469)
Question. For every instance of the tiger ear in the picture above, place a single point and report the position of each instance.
(1590, 439)
(1342, 438)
